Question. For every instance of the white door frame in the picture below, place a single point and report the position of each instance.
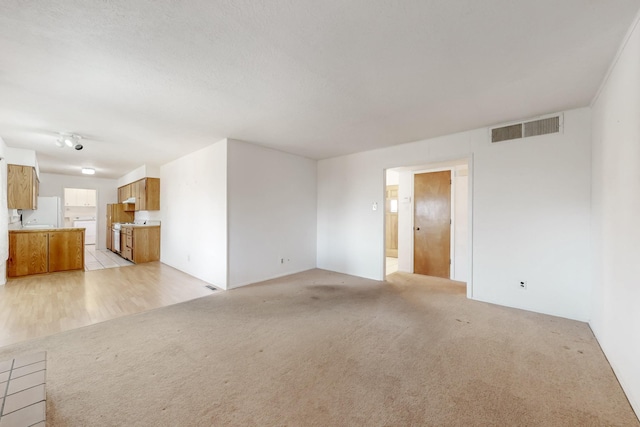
(424, 168)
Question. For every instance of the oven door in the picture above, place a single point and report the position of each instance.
(115, 241)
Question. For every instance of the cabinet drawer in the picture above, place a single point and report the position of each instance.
(129, 241)
(128, 230)
(127, 254)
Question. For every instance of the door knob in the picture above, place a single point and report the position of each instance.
(417, 228)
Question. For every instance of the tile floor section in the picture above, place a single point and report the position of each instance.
(392, 265)
(98, 259)
(22, 391)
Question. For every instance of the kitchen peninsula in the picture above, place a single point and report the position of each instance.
(45, 250)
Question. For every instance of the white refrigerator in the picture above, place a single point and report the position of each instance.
(49, 212)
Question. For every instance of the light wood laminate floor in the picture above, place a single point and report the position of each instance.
(46, 304)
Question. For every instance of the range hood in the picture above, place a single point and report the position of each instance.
(130, 200)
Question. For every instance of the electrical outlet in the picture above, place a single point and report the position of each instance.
(522, 284)
(281, 260)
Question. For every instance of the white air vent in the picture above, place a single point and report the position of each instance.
(543, 126)
(506, 133)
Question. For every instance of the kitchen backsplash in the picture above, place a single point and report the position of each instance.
(142, 216)
(14, 217)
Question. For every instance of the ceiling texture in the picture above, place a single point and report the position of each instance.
(147, 81)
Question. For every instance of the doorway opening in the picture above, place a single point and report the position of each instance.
(391, 222)
(80, 211)
(427, 223)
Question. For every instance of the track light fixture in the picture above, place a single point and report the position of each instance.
(69, 140)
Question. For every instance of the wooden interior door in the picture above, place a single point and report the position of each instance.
(432, 224)
(391, 219)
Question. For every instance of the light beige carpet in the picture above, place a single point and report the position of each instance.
(325, 349)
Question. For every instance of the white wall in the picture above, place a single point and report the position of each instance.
(531, 213)
(461, 223)
(54, 184)
(22, 156)
(616, 225)
(144, 171)
(193, 191)
(4, 214)
(393, 177)
(272, 213)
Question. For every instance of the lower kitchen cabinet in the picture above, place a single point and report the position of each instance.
(140, 244)
(28, 254)
(66, 251)
(45, 251)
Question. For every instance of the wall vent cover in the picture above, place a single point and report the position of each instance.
(543, 126)
(506, 133)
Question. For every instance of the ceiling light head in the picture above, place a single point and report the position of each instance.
(88, 171)
(70, 140)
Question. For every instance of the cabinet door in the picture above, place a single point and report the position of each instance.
(21, 187)
(135, 194)
(66, 250)
(69, 197)
(141, 204)
(82, 197)
(27, 254)
(86, 197)
(109, 238)
(146, 244)
(152, 194)
(91, 198)
(124, 193)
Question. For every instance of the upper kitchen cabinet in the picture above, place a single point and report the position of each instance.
(146, 192)
(79, 197)
(124, 193)
(22, 187)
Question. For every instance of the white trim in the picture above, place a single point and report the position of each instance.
(616, 58)
(384, 224)
(470, 226)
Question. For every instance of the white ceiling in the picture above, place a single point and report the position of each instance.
(147, 81)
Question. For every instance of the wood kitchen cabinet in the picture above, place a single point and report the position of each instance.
(45, 251)
(149, 190)
(66, 250)
(124, 193)
(28, 253)
(140, 243)
(22, 187)
(146, 192)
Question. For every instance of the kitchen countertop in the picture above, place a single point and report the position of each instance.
(40, 230)
(139, 225)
